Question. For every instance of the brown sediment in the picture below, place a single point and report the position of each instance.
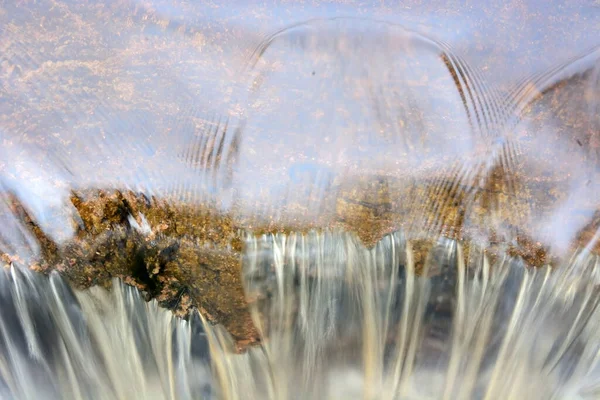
(189, 256)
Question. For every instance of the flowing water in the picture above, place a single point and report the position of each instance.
(415, 187)
(341, 321)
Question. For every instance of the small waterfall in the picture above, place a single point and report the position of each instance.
(359, 121)
(406, 319)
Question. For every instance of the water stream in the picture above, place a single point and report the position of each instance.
(414, 186)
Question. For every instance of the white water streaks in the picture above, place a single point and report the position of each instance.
(337, 321)
(94, 345)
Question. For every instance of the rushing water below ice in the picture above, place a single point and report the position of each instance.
(277, 110)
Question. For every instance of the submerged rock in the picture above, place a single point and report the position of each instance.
(149, 152)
